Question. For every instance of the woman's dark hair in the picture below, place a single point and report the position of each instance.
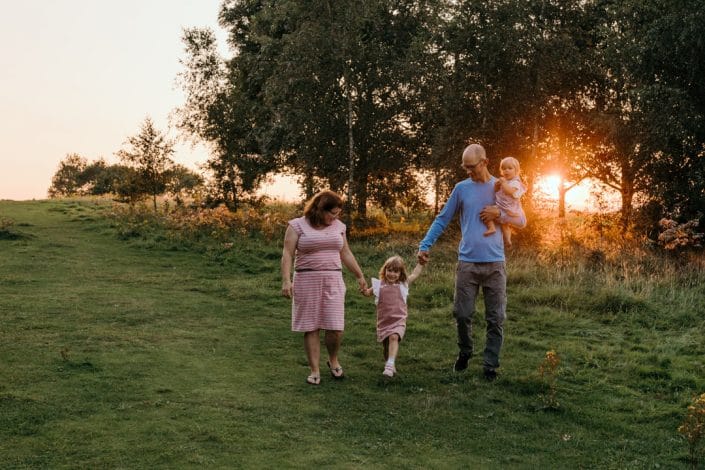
(325, 200)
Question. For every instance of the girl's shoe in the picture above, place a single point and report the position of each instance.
(389, 370)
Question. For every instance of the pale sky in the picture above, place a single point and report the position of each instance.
(80, 76)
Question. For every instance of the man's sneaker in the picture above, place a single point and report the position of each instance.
(389, 370)
(490, 375)
(461, 363)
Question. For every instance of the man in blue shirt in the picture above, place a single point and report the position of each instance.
(480, 258)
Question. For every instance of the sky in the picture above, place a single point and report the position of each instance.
(81, 76)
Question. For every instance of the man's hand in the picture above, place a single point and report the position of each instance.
(489, 213)
(423, 257)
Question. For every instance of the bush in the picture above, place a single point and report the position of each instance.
(675, 236)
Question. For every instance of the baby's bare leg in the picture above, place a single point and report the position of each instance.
(490, 228)
(507, 235)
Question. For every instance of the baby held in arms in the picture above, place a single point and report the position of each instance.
(509, 189)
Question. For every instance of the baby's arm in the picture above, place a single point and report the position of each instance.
(508, 188)
(415, 273)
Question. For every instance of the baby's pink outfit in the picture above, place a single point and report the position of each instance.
(511, 205)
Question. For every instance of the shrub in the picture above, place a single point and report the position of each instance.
(693, 427)
(677, 236)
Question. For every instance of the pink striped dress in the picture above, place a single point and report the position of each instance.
(319, 289)
(391, 308)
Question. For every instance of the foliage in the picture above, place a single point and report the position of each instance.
(579, 89)
(78, 177)
(7, 230)
(200, 224)
(69, 177)
(677, 236)
(149, 154)
(548, 369)
(222, 109)
(693, 427)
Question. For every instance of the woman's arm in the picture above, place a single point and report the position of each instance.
(290, 240)
(350, 262)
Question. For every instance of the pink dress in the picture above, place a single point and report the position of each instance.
(391, 308)
(511, 204)
(319, 289)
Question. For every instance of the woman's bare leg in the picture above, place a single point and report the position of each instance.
(312, 345)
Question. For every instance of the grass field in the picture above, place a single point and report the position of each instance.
(137, 352)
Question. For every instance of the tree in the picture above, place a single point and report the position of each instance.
(149, 153)
(223, 109)
(69, 177)
(317, 87)
(182, 182)
(648, 111)
(663, 48)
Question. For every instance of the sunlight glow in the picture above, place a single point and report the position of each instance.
(587, 196)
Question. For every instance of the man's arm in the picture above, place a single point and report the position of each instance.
(493, 213)
(438, 226)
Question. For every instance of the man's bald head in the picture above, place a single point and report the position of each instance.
(473, 154)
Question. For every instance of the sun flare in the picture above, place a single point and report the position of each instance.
(585, 196)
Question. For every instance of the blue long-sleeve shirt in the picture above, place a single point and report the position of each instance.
(468, 199)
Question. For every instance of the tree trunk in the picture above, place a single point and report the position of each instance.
(562, 190)
(627, 195)
(351, 149)
(436, 190)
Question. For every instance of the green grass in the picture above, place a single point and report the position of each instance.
(135, 352)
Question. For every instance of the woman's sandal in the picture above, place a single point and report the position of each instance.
(336, 372)
(313, 379)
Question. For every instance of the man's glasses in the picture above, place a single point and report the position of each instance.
(471, 167)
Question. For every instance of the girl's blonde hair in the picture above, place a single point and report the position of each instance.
(513, 161)
(396, 263)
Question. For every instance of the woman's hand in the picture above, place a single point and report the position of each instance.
(286, 288)
(362, 284)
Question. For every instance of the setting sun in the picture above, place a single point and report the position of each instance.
(585, 196)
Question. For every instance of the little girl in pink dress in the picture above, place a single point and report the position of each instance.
(391, 291)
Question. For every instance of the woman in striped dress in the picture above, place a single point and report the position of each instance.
(317, 247)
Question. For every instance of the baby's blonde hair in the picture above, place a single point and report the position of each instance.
(397, 263)
(513, 161)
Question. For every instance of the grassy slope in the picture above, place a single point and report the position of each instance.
(128, 354)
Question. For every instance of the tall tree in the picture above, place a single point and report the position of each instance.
(223, 109)
(316, 86)
(648, 112)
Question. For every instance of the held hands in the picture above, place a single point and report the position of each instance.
(423, 257)
(362, 285)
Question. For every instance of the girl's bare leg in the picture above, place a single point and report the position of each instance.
(393, 346)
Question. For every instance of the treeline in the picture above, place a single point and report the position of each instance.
(147, 170)
(363, 95)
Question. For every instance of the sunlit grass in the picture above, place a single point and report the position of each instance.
(155, 350)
